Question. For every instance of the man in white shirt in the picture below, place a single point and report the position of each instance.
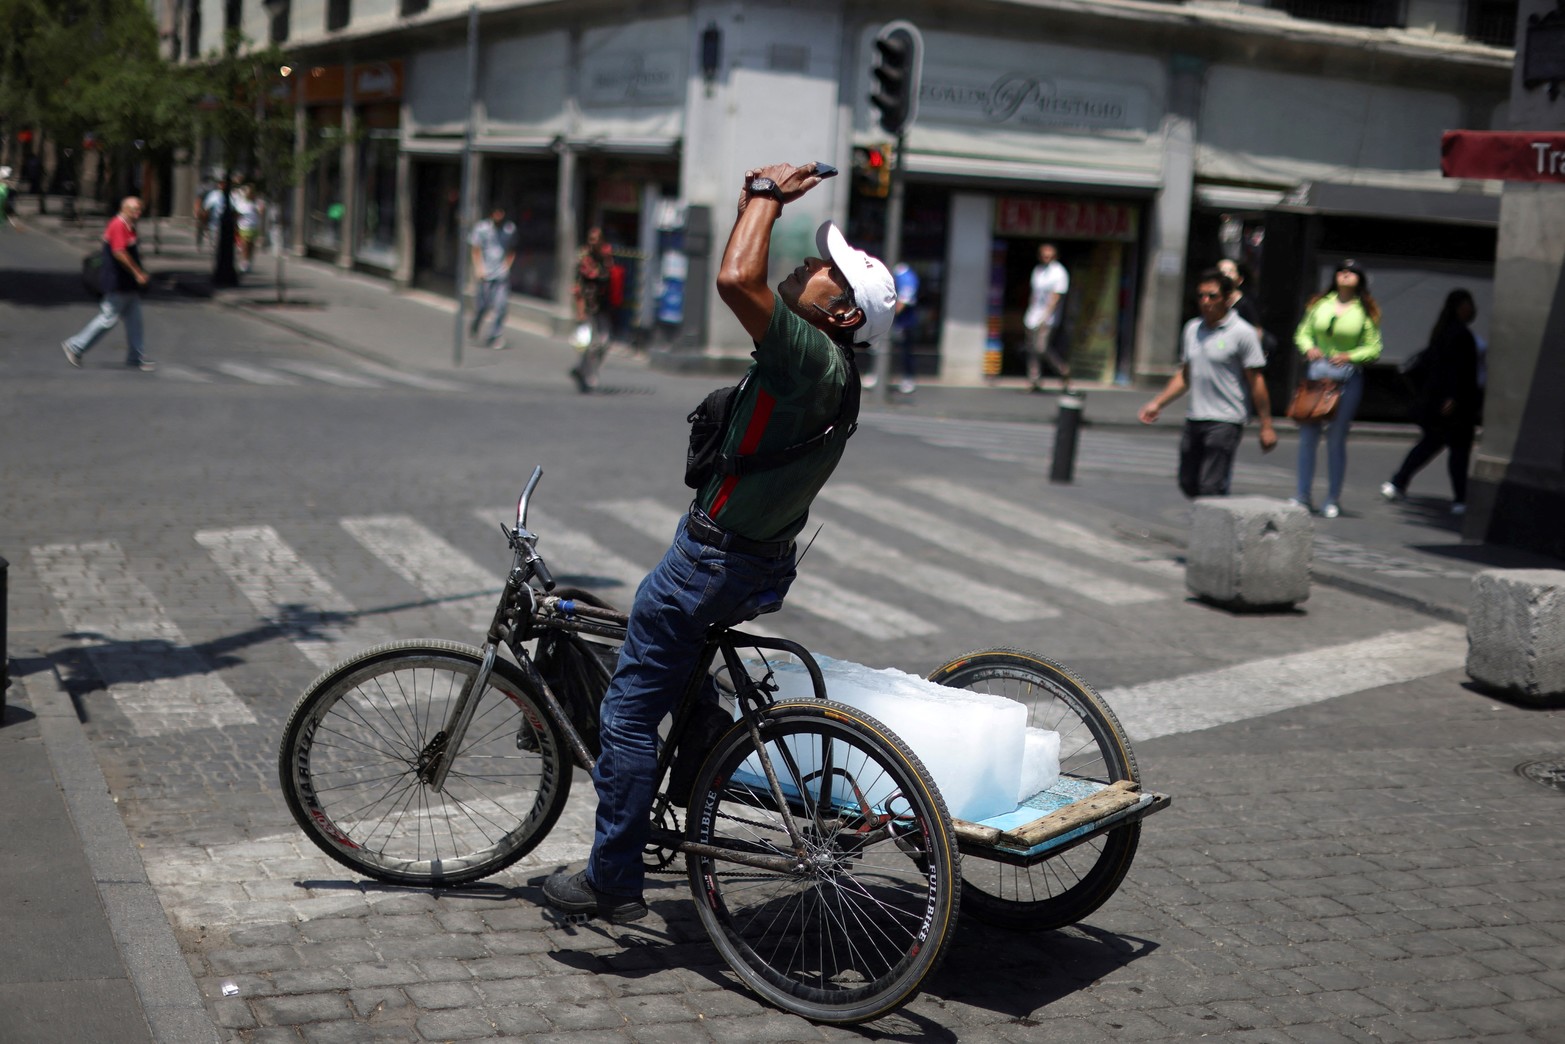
(1045, 306)
(494, 249)
(1222, 366)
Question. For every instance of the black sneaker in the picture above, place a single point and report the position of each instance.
(573, 894)
(145, 365)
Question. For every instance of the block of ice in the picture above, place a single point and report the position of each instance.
(1040, 762)
(971, 742)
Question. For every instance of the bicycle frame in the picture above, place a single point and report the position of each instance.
(523, 612)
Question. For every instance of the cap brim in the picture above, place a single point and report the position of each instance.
(832, 245)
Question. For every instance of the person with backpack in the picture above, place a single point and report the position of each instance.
(1448, 399)
(784, 432)
(123, 281)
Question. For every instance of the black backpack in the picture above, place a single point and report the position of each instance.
(709, 421)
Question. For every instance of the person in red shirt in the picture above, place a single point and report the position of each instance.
(123, 280)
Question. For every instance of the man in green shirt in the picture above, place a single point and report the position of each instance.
(735, 548)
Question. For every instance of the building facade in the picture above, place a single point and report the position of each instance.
(1146, 138)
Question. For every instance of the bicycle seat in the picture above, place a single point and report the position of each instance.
(758, 604)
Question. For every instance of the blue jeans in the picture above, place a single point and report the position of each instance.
(692, 588)
(494, 296)
(116, 305)
(1336, 444)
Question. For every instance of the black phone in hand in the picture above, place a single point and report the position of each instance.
(825, 170)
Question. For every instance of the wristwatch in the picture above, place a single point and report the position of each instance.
(759, 186)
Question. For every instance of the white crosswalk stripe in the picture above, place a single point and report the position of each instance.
(412, 380)
(289, 592)
(430, 564)
(578, 560)
(811, 593)
(961, 539)
(176, 372)
(156, 679)
(326, 374)
(1260, 687)
(289, 373)
(255, 374)
(1041, 526)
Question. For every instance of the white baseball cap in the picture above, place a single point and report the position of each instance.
(874, 291)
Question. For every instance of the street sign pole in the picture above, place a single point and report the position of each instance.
(893, 248)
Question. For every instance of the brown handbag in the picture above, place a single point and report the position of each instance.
(1314, 401)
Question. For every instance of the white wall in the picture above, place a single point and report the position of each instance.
(964, 328)
(1280, 129)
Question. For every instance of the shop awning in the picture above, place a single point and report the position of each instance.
(1503, 155)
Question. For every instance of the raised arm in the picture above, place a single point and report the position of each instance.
(742, 278)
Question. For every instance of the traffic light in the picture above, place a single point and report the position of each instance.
(872, 171)
(899, 53)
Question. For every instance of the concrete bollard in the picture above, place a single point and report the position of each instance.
(1249, 552)
(1516, 633)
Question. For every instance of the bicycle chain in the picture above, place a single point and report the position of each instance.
(721, 815)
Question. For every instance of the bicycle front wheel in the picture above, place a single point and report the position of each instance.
(853, 928)
(350, 756)
(1066, 887)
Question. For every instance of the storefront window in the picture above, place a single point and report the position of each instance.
(527, 189)
(377, 191)
(323, 185)
(437, 202)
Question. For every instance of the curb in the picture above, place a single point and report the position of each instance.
(165, 988)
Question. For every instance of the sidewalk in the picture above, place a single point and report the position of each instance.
(1408, 553)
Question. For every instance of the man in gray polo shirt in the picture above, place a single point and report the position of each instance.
(1220, 365)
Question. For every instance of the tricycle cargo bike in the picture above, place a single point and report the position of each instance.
(820, 854)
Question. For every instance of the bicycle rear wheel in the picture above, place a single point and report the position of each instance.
(349, 766)
(856, 927)
(1066, 887)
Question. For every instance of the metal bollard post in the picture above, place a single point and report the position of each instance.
(1066, 426)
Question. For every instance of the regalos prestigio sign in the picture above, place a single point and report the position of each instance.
(1028, 101)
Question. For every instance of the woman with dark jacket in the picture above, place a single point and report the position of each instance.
(1448, 401)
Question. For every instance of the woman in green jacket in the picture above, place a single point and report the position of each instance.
(1339, 333)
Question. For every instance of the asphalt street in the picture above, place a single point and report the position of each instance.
(1351, 853)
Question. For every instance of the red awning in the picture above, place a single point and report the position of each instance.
(1505, 155)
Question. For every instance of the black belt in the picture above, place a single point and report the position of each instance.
(704, 531)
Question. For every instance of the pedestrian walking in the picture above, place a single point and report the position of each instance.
(1048, 285)
(905, 326)
(736, 545)
(1239, 302)
(249, 213)
(123, 280)
(210, 211)
(493, 242)
(1222, 367)
(594, 313)
(1447, 401)
(1339, 334)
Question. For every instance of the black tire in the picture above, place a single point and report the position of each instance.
(348, 766)
(854, 935)
(1071, 885)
